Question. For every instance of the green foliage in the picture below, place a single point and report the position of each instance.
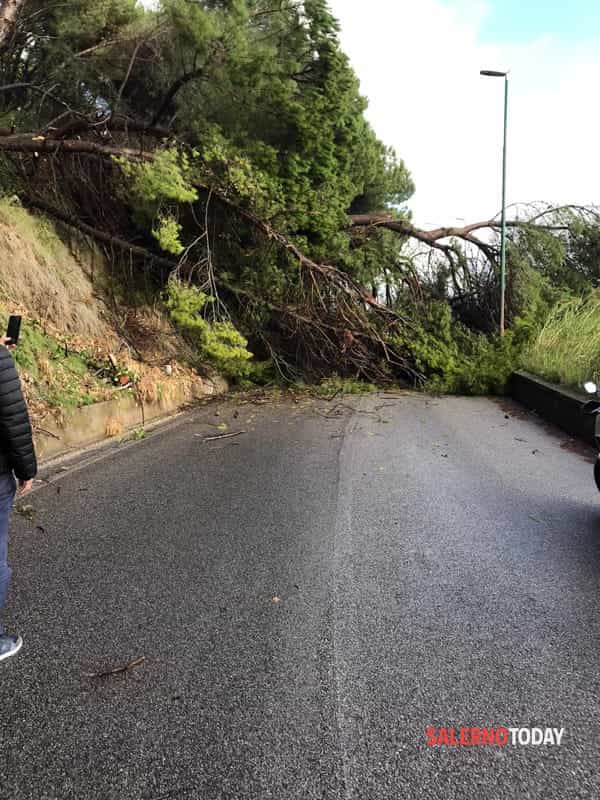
(457, 360)
(582, 260)
(226, 348)
(164, 178)
(217, 342)
(386, 181)
(82, 21)
(155, 188)
(167, 234)
(531, 291)
(225, 165)
(569, 259)
(567, 349)
(280, 126)
(61, 378)
(262, 373)
(185, 303)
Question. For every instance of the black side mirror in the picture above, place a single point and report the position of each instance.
(591, 408)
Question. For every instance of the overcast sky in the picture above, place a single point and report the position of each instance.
(418, 62)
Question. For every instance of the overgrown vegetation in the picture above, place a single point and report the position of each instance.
(458, 360)
(38, 231)
(53, 374)
(220, 151)
(567, 349)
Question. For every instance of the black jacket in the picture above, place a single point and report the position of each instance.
(16, 443)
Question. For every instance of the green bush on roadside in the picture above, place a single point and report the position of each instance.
(457, 360)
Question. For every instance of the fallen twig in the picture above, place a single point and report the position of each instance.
(48, 433)
(332, 415)
(222, 436)
(117, 670)
(330, 398)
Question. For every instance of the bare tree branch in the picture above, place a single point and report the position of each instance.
(101, 236)
(120, 124)
(132, 61)
(172, 92)
(31, 87)
(342, 280)
(432, 237)
(406, 228)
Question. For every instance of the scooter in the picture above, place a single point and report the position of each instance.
(592, 409)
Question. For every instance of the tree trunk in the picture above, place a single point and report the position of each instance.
(9, 13)
(43, 144)
(100, 236)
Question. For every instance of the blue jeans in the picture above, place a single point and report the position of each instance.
(7, 493)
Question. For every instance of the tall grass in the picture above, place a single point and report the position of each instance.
(40, 274)
(37, 231)
(567, 350)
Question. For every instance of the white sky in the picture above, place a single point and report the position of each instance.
(418, 62)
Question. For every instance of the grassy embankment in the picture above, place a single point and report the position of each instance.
(567, 350)
(81, 341)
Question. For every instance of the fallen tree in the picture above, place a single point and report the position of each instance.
(334, 320)
(229, 145)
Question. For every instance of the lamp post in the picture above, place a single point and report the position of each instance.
(490, 73)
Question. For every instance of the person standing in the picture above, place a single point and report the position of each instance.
(18, 466)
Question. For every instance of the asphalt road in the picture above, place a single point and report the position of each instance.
(309, 597)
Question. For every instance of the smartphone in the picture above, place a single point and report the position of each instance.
(14, 329)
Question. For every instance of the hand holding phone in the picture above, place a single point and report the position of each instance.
(14, 330)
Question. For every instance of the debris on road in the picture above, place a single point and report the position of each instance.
(222, 436)
(26, 511)
(117, 670)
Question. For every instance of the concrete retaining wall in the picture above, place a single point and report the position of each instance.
(101, 421)
(554, 403)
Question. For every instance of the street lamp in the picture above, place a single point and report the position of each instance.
(490, 73)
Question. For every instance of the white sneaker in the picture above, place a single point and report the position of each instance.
(9, 645)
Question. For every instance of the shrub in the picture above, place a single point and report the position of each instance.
(457, 360)
(217, 342)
